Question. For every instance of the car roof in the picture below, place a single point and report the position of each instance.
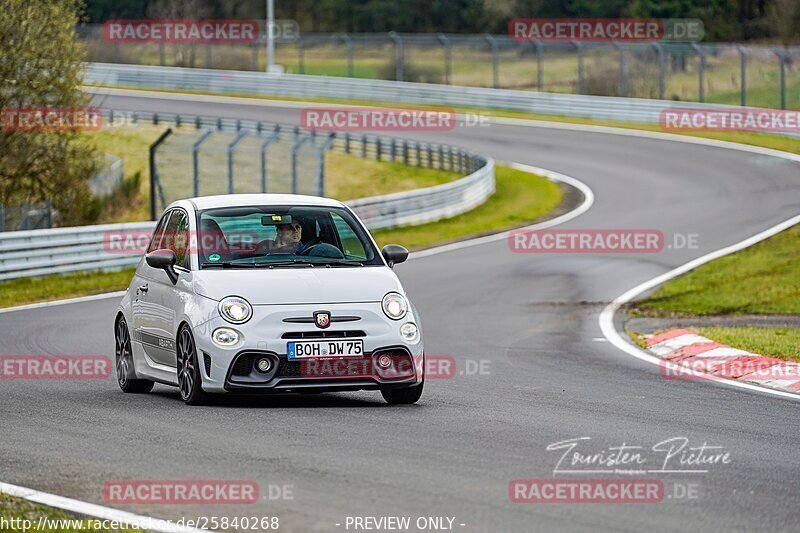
(233, 200)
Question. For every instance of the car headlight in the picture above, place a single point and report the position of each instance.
(235, 310)
(409, 332)
(394, 305)
(225, 337)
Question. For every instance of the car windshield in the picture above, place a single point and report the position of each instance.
(283, 237)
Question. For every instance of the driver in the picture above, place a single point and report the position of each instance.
(287, 240)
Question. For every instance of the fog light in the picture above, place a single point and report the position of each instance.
(384, 361)
(225, 337)
(409, 332)
(264, 364)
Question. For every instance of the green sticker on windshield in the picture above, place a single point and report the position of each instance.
(214, 257)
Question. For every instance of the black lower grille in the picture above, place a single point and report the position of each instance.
(243, 365)
(207, 363)
(289, 369)
(323, 334)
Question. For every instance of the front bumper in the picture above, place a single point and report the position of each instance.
(231, 369)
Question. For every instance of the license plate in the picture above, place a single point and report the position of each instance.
(326, 348)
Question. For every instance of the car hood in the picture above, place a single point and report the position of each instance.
(318, 285)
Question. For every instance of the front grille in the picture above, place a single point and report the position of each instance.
(243, 365)
(289, 369)
(207, 363)
(323, 334)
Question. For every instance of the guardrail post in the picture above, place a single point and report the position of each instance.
(661, 73)
(231, 147)
(495, 60)
(301, 49)
(196, 162)
(782, 59)
(448, 56)
(743, 74)
(264, 146)
(398, 55)
(539, 75)
(154, 171)
(701, 71)
(579, 46)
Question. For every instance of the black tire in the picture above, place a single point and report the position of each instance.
(406, 395)
(126, 374)
(189, 378)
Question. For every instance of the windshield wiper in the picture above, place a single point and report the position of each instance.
(227, 264)
(337, 262)
(288, 263)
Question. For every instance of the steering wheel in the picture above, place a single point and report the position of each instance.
(324, 249)
(313, 242)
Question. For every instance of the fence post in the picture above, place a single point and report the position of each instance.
(701, 71)
(782, 58)
(2, 218)
(161, 53)
(743, 64)
(378, 148)
(405, 152)
(208, 55)
(448, 58)
(301, 50)
(416, 146)
(398, 55)
(25, 221)
(363, 147)
(394, 150)
(579, 46)
(349, 43)
(622, 84)
(264, 147)
(196, 162)
(231, 147)
(346, 142)
(441, 157)
(296, 148)
(254, 47)
(154, 171)
(117, 53)
(661, 73)
(539, 75)
(495, 60)
(321, 164)
(49, 205)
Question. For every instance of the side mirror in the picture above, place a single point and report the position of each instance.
(394, 253)
(165, 260)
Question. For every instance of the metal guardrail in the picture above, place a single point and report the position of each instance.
(63, 250)
(304, 86)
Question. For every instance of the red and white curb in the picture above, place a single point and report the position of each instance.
(686, 355)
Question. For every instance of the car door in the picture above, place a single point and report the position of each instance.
(174, 295)
(152, 317)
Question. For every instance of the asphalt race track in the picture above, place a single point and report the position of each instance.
(551, 375)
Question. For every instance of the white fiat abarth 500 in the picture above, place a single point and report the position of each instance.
(264, 293)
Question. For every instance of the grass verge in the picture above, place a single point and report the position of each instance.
(763, 279)
(521, 198)
(781, 343)
(23, 516)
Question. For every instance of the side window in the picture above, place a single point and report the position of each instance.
(177, 236)
(158, 234)
(351, 244)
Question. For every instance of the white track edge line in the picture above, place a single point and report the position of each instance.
(79, 299)
(97, 511)
(606, 318)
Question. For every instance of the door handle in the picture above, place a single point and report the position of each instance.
(144, 288)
